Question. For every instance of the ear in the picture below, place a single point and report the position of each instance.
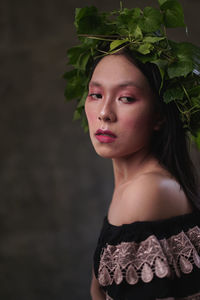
(159, 121)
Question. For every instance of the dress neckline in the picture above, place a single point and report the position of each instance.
(178, 218)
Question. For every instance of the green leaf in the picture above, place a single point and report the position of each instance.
(73, 54)
(82, 100)
(78, 57)
(172, 94)
(187, 52)
(173, 14)
(186, 55)
(138, 33)
(117, 43)
(145, 48)
(181, 68)
(151, 20)
(123, 31)
(196, 101)
(133, 13)
(145, 58)
(127, 20)
(161, 64)
(153, 39)
(127, 15)
(88, 43)
(161, 2)
(75, 85)
(195, 91)
(83, 60)
(136, 12)
(69, 74)
(88, 20)
(77, 115)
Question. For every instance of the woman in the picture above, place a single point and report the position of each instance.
(142, 99)
(123, 116)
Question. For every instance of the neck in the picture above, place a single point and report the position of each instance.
(126, 168)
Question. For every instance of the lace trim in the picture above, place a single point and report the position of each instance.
(132, 261)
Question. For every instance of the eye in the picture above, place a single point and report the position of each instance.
(127, 99)
(95, 96)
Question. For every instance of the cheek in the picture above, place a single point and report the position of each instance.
(90, 114)
(140, 121)
(129, 124)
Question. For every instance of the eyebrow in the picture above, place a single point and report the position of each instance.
(122, 84)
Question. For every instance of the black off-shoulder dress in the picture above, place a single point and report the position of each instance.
(150, 260)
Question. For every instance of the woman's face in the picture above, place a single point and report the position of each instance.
(120, 108)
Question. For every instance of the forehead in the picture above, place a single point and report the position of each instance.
(118, 70)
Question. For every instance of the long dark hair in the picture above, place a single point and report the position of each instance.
(170, 144)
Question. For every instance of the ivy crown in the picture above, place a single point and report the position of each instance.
(144, 33)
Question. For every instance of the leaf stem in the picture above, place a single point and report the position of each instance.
(186, 93)
(121, 6)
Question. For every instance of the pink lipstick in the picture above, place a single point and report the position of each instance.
(105, 136)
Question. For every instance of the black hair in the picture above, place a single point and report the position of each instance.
(169, 144)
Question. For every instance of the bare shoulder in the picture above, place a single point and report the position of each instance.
(153, 196)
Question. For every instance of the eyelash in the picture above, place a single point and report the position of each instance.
(128, 99)
(99, 96)
(95, 96)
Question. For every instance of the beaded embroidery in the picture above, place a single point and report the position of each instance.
(132, 261)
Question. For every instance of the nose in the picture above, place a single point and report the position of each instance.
(107, 114)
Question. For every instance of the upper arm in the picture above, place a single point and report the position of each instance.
(95, 290)
(153, 197)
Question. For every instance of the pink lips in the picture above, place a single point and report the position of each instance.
(105, 136)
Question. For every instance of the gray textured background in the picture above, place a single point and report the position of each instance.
(54, 190)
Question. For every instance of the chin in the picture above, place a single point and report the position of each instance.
(104, 150)
(112, 154)
(105, 154)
